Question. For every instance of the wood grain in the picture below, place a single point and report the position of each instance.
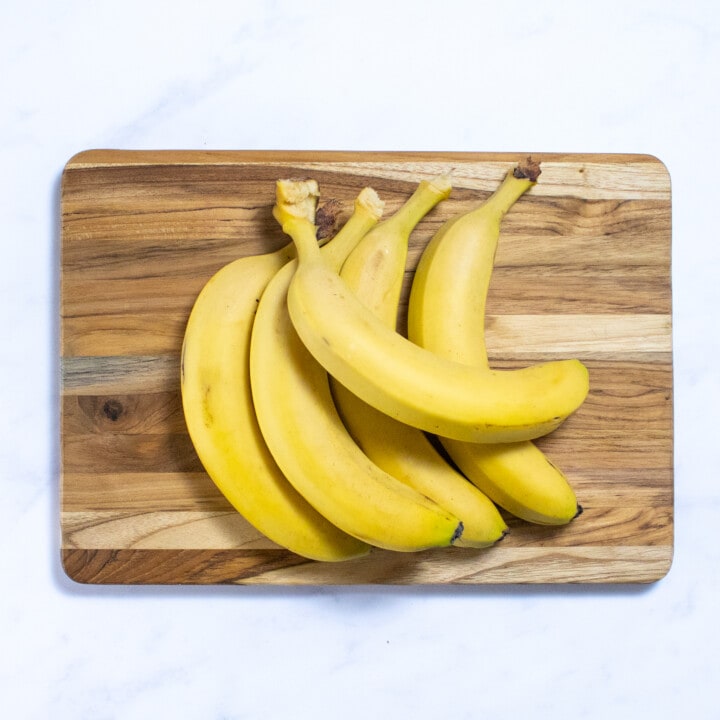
(582, 270)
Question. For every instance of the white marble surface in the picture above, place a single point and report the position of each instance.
(542, 76)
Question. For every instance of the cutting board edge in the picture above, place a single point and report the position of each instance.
(281, 568)
(97, 157)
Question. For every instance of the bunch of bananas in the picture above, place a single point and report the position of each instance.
(316, 418)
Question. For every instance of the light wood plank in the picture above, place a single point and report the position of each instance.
(175, 530)
(578, 335)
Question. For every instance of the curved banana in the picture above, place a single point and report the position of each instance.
(413, 384)
(374, 270)
(446, 315)
(446, 309)
(301, 426)
(219, 413)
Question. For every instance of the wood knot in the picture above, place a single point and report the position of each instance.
(113, 409)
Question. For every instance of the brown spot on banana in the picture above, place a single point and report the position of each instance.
(207, 414)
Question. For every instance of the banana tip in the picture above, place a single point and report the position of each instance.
(458, 533)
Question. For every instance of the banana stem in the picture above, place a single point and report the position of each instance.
(515, 184)
(367, 211)
(426, 196)
(303, 234)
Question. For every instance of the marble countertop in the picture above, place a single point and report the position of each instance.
(636, 77)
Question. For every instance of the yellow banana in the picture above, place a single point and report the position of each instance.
(301, 426)
(520, 478)
(377, 264)
(374, 270)
(413, 384)
(217, 403)
(446, 315)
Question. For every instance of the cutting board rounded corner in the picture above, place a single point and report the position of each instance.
(75, 566)
(80, 158)
(659, 161)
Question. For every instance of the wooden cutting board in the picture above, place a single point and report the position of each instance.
(583, 270)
